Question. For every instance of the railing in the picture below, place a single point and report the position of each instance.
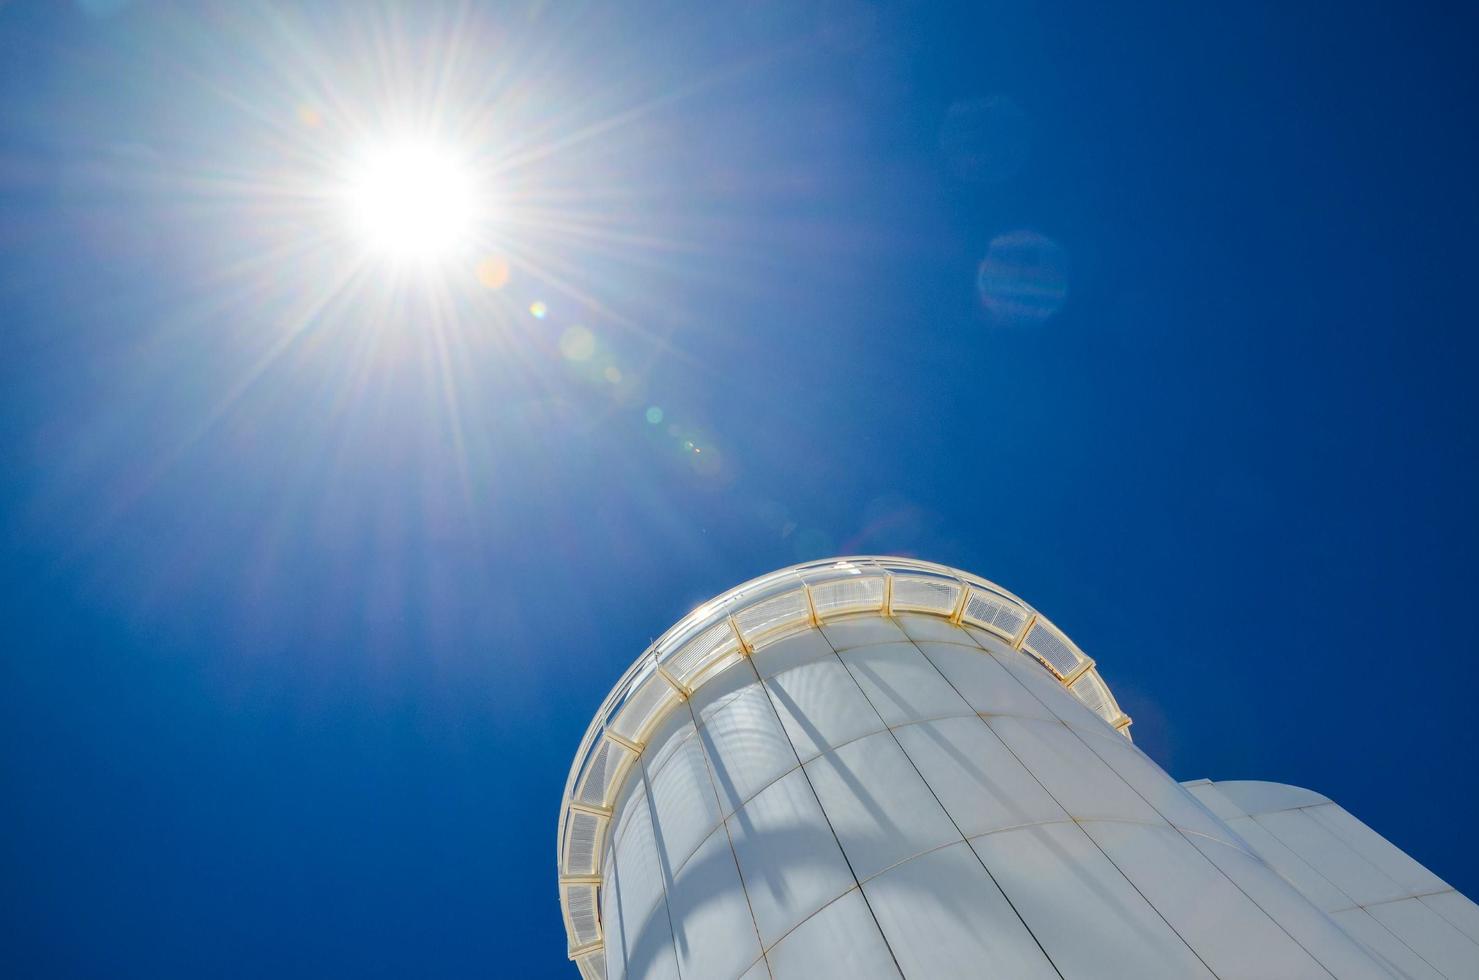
(722, 631)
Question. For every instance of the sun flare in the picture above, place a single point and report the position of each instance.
(413, 200)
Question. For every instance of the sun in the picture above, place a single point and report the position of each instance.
(413, 200)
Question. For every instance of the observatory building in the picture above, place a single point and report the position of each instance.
(877, 767)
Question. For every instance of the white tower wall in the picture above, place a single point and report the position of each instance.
(875, 792)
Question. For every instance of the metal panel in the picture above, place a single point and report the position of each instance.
(714, 934)
(1335, 950)
(943, 916)
(1382, 853)
(1379, 939)
(1170, 798)
(683, 802)
(1457, 909)
(1078, 779)
(986, 685)
(880, 809)
(1212, 799)
(841, 940)
(1342, 866)
(1255, 796)
(1089, 919)
(1295, 869)
(1232, 936)
(932, 628)
(641, 869)
(902, 684)
(821, 706)
(1431, 936)
(788, 856)
(861, 631)
(648, 941)
(1037, 680)
(721, 689)
(612, 931)
(980, 783)
(667, 739)
(796, 650)
(747, 747)
(757, 971)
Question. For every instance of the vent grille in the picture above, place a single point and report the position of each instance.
(592, 965)
(607, 764)
(1095, 695)
(1047, 645)
(581, 841)
(916, 594)
(688, 660)
(763, 618)
(646, 705)
(856, 593)
(997, 615)
(580, 907)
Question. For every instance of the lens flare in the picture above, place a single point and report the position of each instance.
(493, 272)
(577, 343)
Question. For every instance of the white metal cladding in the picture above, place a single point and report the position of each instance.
(760, 613)
(841, 804)
(831, 789)
(1389, 903)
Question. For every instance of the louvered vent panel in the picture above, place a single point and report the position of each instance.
(689, 660)
(995, 614)
(1092, 692)
(581, 838)
(854, 593)
(714, 665)
(607, 763)
(592, 965)
(580, 906)
(1044, 642)
(643, 708)
(774, 615)
(918, 594)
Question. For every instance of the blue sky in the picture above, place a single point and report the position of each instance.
(1160, 317)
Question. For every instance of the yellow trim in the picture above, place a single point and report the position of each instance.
(1021, 638)
(1079, 671)
(588, 948)
(958, 612)
(596, 811)
(745, 646)
(625, 743)
(674, 683)
(811, 606)
(888, 595)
